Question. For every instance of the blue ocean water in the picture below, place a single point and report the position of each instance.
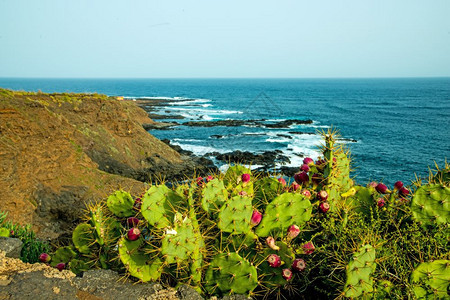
(401, 126)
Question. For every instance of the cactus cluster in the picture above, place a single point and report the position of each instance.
(359, 273)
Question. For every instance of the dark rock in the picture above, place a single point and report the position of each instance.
(256, 123)
(187, 293)
(301, 132)
(11, 246)
(267, 158)
(159, 126)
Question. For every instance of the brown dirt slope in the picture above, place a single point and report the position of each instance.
(59, 151)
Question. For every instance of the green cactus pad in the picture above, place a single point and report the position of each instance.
(266, 190)
(431, 280)
(359, 272)
(63, 255)
(430, 204)
(235, 215)
(179, 244)
(78, 266)
(159, 205)
(273, 277)
(214, 194)
(121, 204)
(83, 238)
(230, 273)
(137, 262)
(284, 211)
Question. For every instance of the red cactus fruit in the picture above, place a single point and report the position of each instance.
(271, 243)
(382, 188)
(308, 161)
(323, 195)
(316, 178)
(61, 266)
(398, 185)
(381, 202)
(287, 274)
(282, 181)
(403, 191)
(45, 258)
(301, 177)
(245, 178)
(132, 221)
(304, 168)
(256, 218)
(200, 181)
(274, 260)
(133, 234)
(306, 193)
(324, 207)
(293, 231)
(209, 178)
(308, 248)
(294, 186)
(137, 203)
(298, 265)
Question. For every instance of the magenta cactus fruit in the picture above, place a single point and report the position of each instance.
(137, 203)
(324, 207)
(245, 177)
(282, 181)
(271, 243)
(373, 184)
(323, 195)
(274, 260)
(398, 185)
(304, 168)
(316, 178)
(293, 231)
(132, 221)
(133, 234)
(306, 193)
(287, 274)
(308, 248)
(381, 202)
(294, 186)
(209, 178)
(301, 177)
(61, 266)
(403, 191)
(256, 218)
(382, 188)
(200, 181)
(45, 258)
(308, 161)
(298, 265)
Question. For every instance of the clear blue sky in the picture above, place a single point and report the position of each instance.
(206, 38)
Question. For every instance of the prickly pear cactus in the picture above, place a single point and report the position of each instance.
(121, 204)
(214, 194)
(230, 273)
(273, 276)
(431, 280)
(266, 190)
(83, 238)
(138, 263)
(179, 243)
(159, 205)
(285, 210)
(234, 215)
(430, 204)
(359, 273)
(63, 255)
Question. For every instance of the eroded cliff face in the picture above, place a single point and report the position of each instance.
(60, 151)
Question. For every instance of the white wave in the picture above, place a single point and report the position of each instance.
(208, 111)
(280, 140)
(190, 102)
(206, 105)
(199, 149)
(157, 98)
(186, 140)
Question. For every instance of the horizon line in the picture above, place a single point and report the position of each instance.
(214, 78)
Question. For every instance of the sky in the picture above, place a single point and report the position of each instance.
(220, 39)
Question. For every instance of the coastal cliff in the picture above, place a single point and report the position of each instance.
(59, 152)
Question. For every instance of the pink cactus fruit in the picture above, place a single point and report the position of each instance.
(301, 177)
(323, 195)
(316, 178)
(209, 178)
(200, 181)
(324, 207)
(306, 193)
(403, 191)
(294, 186)
(133, 234)
(274, 260)
(298, 265)
(381, 202)
(245, 178)
(398, 185)
(256, 218)
(61, 266)
(373, 184)
(270, 241)
(304, 168)
(132, 221)
(282, 181)
(45, 258)
(287, 274)
(138, 203)
(308, 248)
(308, 161)
(293, 232)
(382, 188)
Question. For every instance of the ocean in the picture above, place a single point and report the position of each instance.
(395, 128)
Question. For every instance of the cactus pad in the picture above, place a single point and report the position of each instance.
(63, 255)
(234, 215)
(359, 272)
(284, 211)
(274, 276)
(430, 204)
(83, 238)
(230, 273)
(180, 245)
(121, 204)
(214, 195)
(431, 280)
(266, 190)
(159, 205)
